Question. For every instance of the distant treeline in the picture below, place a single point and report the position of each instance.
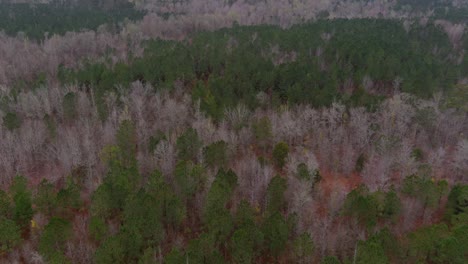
(35, 20)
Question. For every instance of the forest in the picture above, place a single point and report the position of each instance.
(57, 18)
(236, 131)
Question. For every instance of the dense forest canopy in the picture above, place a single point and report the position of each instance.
(352, 61)
(35, 21)
(243, 131)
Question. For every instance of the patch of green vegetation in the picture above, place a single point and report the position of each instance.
(39, 19)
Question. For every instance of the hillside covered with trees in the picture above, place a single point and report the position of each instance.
(240, 131)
